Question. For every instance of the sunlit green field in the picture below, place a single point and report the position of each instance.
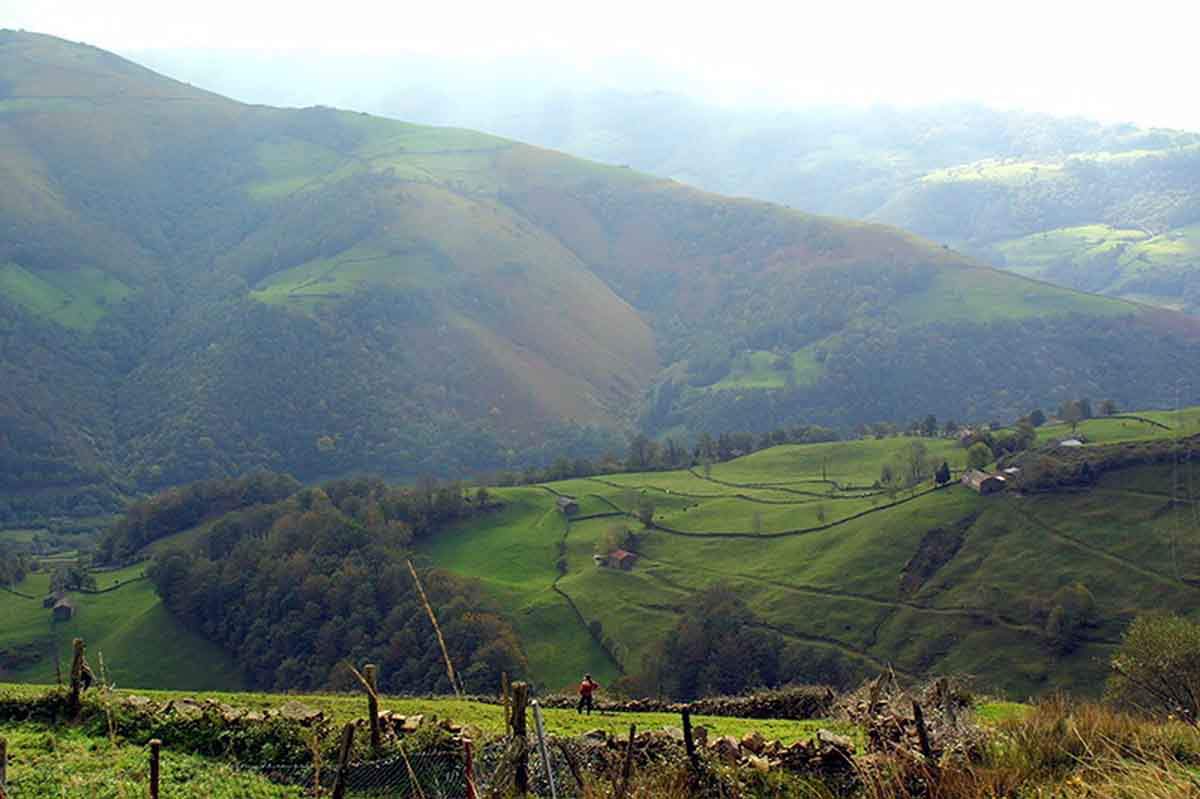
(779, 525)
(140, 642)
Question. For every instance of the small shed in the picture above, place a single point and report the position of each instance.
(64, 610)
(568, 506)
(983, 482)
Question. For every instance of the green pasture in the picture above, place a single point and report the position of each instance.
(74, 298)
(838, 591)
(1125, 427)
(66, 763)
(987, 295)
(141, 642)
(758, 369)
(514, 554)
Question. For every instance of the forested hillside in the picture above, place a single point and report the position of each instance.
(196, 288)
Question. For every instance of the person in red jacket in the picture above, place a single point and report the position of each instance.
(586, 689)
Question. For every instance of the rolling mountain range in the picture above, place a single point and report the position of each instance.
(1109, 208)
(194, 287)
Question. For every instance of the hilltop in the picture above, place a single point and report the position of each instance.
(194, 287)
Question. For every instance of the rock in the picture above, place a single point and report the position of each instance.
(700, 735)
(753, 742)
(758, 763)
(596, 735)
(837, 741)
(726, 748)
(139, 702)
(674, 733)
(300, 713)
(253, 716)
(412, 723)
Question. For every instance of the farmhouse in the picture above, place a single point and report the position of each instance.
(568, 506)
(64, 609)
(617, 559)
(983, 482)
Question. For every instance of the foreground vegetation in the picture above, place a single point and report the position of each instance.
(1057, 747)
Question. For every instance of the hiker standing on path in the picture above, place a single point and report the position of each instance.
(586, 688)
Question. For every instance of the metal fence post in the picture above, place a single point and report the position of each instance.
(542, 750)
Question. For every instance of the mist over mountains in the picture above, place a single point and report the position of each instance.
(1109, 208)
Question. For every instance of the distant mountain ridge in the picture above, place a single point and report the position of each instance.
(192, 287)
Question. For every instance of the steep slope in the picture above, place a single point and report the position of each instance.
(195, 287)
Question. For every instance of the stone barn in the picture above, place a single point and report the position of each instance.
(984, 482)
(64, 610)
(568, 506)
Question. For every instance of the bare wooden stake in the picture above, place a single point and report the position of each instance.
(469, 763)
(572, 763)
(455, 685)
(339, 782)
(627, 769)
(155, 752)
(520, 697)
(76, 703)
(688, 741)
(922, 733)
(369, 674)
(3, 764)
(507, 699)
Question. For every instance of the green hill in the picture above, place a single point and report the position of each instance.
(193, 287)
(856, 580)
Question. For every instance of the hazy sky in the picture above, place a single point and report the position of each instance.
(1131, 63)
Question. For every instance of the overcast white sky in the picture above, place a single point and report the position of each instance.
(1131, 63)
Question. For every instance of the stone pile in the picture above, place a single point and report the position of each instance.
(793, 702)
(826, 754)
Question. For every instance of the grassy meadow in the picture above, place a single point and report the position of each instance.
(140, 641)
(820, 555)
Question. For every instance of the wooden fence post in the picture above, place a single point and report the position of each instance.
(75, 703)
(572, 764)
(520, 697)
(155, 751)
(369, 672)
(505, 694)
(628, 767)
(689, 742)
(469, 765)
(343, 771)
(923, 733)
(3, 764)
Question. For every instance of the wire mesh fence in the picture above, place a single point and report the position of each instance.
(424, 775)
(568, 760)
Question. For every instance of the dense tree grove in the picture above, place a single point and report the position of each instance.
(718, 648)
(179, 508)
(14, 563)
(295, 588)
